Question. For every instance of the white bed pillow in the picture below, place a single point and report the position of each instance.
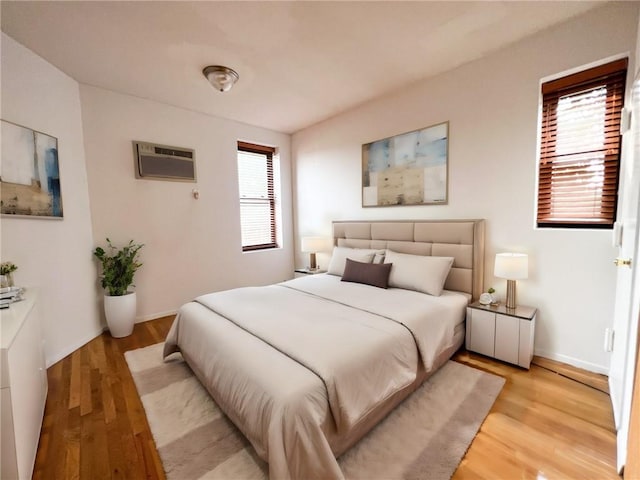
(340, 255)
(418, 272)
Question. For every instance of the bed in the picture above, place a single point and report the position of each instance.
(307, 367)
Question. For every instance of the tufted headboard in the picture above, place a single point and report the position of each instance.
(461, 239)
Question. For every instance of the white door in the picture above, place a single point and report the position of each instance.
(625, 326)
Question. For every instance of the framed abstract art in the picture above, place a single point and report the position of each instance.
(29, 173)
(407, 169)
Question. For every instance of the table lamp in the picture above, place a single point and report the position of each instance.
(512, 266)
(312, 245)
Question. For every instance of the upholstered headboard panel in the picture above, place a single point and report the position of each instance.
(461, 239)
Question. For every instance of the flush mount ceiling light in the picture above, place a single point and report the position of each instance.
(222, 78)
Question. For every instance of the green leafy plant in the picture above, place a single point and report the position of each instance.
(491, 291)
(118, 267)
(7, 267)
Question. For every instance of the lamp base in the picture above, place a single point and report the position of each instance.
(511, 294)
(312, 262)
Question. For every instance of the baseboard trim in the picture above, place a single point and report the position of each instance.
(69, 350)
(153, 316)
(586, 377)
(592, 367)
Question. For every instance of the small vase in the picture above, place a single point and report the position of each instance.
(9, 279)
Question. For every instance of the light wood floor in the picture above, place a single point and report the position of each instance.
(542, 426)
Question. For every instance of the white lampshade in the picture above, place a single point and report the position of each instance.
(315, 244)
(512, 266)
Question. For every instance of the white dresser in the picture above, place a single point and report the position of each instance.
(24, 386)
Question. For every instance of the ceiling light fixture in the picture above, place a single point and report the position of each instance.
(222, 78)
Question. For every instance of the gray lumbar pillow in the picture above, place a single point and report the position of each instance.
(373, 274)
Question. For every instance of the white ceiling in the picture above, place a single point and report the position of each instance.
(299, 62)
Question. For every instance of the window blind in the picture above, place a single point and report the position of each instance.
(257, 197)
(580, 148)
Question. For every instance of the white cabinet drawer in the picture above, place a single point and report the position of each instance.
(507, 338)
(482, 334)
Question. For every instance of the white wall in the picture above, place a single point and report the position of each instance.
(492, 106)
(192, 246)
(54, 255)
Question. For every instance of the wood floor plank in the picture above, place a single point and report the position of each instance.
(152, 462)
(157, 327)
(120, 430)
(75, 381)
(599, 382)
(100, 463)
(106, 388)
(85, 381)
(72, 445)
(43, 452)
(58, 420)
(543, 424)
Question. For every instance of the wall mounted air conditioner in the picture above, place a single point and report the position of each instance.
(162, 162)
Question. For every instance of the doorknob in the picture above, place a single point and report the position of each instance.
(622, 262)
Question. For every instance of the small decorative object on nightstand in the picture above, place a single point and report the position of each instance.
(500, 332)
(488, 298)
(485, 299)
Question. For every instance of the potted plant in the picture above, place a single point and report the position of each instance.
(6, 270)
(491, 292)
(118, 269)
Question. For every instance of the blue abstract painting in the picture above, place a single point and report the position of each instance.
(407, 169)
(29, 173)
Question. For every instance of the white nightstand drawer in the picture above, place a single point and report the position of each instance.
(482, 331)
(507, 338)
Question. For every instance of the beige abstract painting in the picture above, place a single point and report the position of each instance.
(29, 173)
(407, 169)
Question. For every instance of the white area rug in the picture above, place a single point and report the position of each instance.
(425, 437)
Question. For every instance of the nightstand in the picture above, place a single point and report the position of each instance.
(503, 333)
(301, 272)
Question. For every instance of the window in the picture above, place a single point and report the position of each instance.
(580, 148)
(257, 196)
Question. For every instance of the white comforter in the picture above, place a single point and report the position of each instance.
(300, 364)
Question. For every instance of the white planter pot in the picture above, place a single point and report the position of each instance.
(121, 314)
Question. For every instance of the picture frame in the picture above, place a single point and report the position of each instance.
(29, 173)
(411, 168)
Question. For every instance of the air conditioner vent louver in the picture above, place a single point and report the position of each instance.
(162, 162)
(173, 152)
